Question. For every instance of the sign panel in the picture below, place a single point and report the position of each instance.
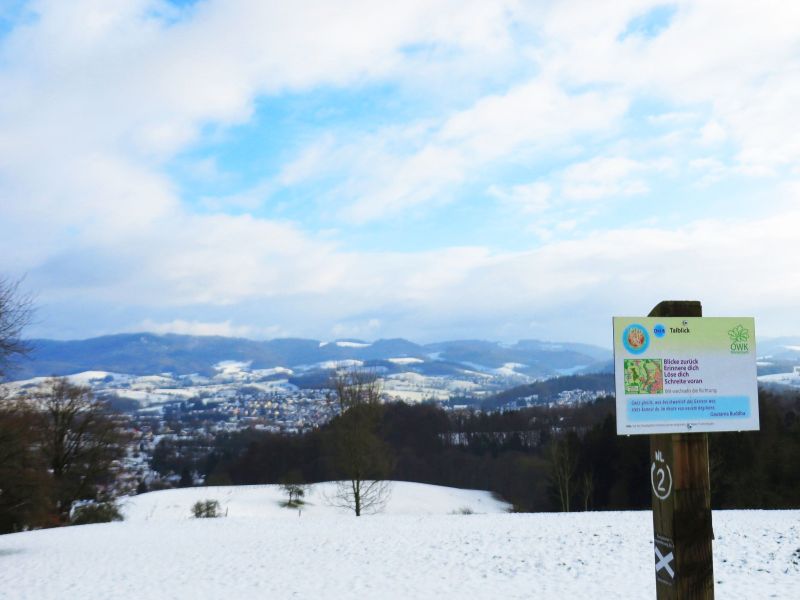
(685, 374)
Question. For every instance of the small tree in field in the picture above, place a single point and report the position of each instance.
(292, 485)
(361, 457)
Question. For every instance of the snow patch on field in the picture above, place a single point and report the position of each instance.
(790, 379)
(403, 360)
(88, 377)
(272, 372)
(340, 364)
(353, 345)
(509, 369)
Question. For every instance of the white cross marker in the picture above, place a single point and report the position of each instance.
(663, 562)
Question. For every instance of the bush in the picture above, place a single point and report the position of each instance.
(206, 509)
(294, 493)
(96, 512)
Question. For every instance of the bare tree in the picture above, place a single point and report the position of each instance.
(81, 440)
(587, 488)
(15, 313)
(23, 482)
(361, 457)
(563, 464)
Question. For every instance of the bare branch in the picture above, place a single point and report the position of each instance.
(16, 310)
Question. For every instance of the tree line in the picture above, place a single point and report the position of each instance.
(58, 446)
(538, 459)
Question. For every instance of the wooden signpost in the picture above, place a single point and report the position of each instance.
(681, 499)
(679, 376)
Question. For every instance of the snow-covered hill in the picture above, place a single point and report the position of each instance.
(263, 551)
(266, 501)
(147, 354)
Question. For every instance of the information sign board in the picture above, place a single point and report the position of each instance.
(685, 374)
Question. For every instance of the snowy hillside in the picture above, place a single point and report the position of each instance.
(784, 379)
(414, 550)
(265, 501)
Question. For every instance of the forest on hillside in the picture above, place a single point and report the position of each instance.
(538, 459)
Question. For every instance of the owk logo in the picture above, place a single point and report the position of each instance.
(739, 340)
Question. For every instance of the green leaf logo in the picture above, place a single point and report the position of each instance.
(739, 335)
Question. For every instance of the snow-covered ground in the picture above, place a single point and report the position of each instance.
(266, 501)
(263, 551)
(791, 379)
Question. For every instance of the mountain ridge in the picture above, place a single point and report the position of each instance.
(146, 353)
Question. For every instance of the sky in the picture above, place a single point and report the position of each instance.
(426, 169)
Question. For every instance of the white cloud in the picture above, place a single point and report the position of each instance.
(179, 326)
(99, 95)
(713, 133)
(569, 288)
(738, 60)
(559, 201)
(524, 122)
(527, 198)
(603, 177)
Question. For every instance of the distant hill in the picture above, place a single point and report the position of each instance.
(779, 352)
(549, 389)
(147, 353)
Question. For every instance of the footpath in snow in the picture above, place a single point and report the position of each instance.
(416, 549)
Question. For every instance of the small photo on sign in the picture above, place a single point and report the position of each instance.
(644, 376)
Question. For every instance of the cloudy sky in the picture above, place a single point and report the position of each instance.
(431, 169)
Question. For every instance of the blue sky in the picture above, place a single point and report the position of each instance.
(429, 169)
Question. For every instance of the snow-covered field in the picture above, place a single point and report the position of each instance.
(266, 501)
(416, 549)
(790, 379)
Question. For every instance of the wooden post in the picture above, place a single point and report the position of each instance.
(681, 498)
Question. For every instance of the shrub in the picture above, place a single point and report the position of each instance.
(206, 509)
(295, 493)
(96, 512)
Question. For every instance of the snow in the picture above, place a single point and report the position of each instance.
(276, 385)
(264, 501)
(353, 345)
(87, 377)
(272, 372)
(790, 379)
(415, 387)
(405, 360)
(509, 369)
(263, 551)
(340, 364)
(346, 344)
(232, 369)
